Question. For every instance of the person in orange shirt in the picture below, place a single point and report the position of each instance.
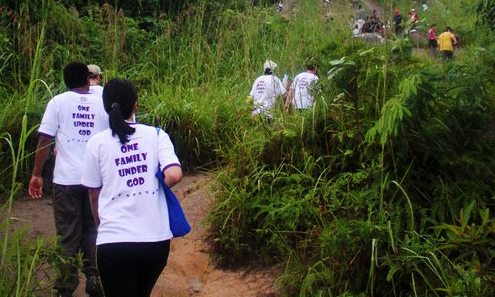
(446, 42)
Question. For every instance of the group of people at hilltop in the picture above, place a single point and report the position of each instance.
(268, 87)
(444, 43)
(367, 23)
(107, 203)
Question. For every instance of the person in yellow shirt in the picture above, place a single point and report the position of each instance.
(446, 42)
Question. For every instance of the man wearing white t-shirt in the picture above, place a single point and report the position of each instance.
(300, 91)
(70, 119)
(265, 90)
(95, 80)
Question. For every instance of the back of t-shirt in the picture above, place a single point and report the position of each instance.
(264, 92)
(446, 41)
(72, 118)
(129, 188)
(301, 88)
(96, 90)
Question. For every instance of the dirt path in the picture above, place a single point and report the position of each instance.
(190, 271)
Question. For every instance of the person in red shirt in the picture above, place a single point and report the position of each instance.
(432, 39)
(413, 16)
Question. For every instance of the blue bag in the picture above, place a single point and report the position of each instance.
(178, 222)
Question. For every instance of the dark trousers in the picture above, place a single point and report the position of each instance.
(131, 269)
(77, 232)
(432, 45)
(448, 55)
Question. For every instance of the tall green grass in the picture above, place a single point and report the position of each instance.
(346, 194)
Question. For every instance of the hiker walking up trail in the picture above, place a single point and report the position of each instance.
(446, 42)
(432, 39)
(70, 119)
(397, 21)
(413, 20)
(413, 16)
(130, 210)
(95, 80)
(265, 90)
(299, 93)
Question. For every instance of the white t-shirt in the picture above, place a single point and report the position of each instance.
(72, 118)
(301, 87)
(264, 92)
(356, 32)
(96, 90)
(131, 205)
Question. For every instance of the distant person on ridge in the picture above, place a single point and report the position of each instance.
(413, 16)
(432, 39)
(265, 90)
(397, 22)
(446, 42)
(300, 91)
(424, 6)
(375, 22)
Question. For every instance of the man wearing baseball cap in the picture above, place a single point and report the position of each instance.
(95, 76)
(265, 90)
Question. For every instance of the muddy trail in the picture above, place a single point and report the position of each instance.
(190, 270)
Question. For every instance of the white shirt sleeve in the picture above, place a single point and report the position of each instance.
(50, 122)
(253, 88)
(166, 153)
(294, 83)
(91, 174)
(280, 87)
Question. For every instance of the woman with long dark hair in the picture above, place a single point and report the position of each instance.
(130, 210)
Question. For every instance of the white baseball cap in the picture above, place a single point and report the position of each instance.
(270, 65)
(94, 69)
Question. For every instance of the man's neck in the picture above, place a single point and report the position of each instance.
(94, 82)
(81, 90)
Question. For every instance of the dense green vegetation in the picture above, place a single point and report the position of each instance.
(383, 189)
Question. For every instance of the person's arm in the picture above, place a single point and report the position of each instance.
(288, 100)
(172, 170)
(280, 91)
(290, 95)
(93, 200)
(172, 175)
(35, 189)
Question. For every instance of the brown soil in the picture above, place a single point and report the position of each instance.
(190, 271)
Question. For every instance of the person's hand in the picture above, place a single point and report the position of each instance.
(35, 187)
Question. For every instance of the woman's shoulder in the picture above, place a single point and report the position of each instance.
(143, 129)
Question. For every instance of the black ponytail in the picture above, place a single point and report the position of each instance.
(119, 99)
